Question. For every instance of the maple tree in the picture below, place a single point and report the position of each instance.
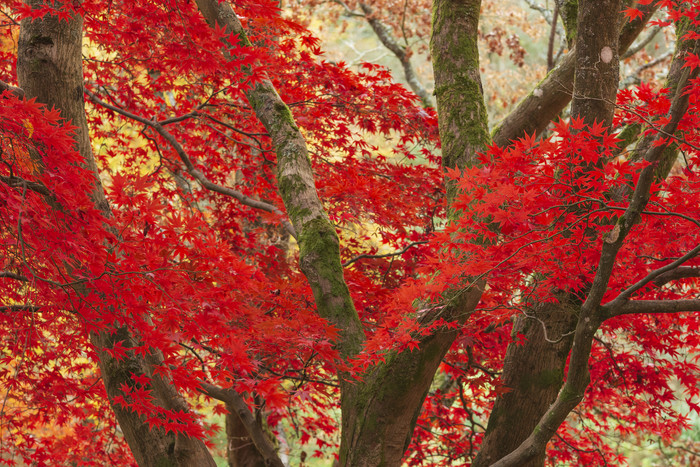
(196, 208)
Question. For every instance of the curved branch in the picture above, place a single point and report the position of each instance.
(234, 400)
(348, 11)
(624, 296)
(591, 315)
(388, 40)
(16, 308)
(192, 170)
(12, 275)
(15, 182)
(651, 152)
(643, 42)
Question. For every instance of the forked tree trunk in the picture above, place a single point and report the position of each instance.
(379, 413)
(49, 68)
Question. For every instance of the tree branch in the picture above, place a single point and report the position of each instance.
(191, 169)
(624, 296)
(16, 308)
(386, 37)
(534, 112)
(651, 153)
(591, 316)
(396, 253)
(12, 275)
(682, 272)
(14, 182)
(348, 10)
(319, 247)
(633, 77)
(654, 306)
(18, 92)
(552, 36)
(639, 45)
(546, 13)
(234, 400)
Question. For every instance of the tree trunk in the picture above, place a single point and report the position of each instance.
(381, 412)
(534, 371)
(240, 449)
(49, 68)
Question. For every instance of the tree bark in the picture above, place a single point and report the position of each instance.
(379, 424)
(597, 61)
(551, 95)
(379, 413)
(49, 68)
(240, 448)
(592, 314)
(534, 371)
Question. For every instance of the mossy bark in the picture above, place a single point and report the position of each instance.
(49, 68)
(568, 10)
(463, 121)
(379, 413)
(379, 423)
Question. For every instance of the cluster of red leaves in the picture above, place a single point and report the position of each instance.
(53, 401)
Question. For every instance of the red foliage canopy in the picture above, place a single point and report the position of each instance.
(212, 282)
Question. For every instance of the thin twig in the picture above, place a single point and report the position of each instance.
(397, 253)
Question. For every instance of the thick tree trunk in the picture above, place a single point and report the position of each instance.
(49, 68)
(381, 412)
(534, 371)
